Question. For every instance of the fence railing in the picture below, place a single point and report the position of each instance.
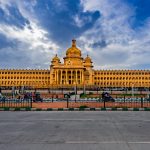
(89, 102)
(16, 103)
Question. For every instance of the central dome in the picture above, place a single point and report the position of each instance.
(73, 51)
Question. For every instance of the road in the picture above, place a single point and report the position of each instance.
(75, 130)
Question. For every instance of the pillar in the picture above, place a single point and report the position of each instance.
(71, 77)
(80, 77)
(60, 76)
(66, 76)
(76, 78)
(55, 77)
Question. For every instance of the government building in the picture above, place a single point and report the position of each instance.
(75, 70)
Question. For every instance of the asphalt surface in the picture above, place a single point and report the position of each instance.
(75, 130)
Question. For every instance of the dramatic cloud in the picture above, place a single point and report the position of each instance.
(116, 33)
(23, 38)
(113, 41)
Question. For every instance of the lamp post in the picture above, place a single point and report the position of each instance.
(13, 90)
(97, 89)
(84, 88)
(99, 94)
(75, 89)
(132, 90)
(62, 89)
(52, 93)
(22, 89)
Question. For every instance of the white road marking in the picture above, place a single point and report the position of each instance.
(107, 142)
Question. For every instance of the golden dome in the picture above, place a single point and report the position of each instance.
(87, 59)
(73, 51)
(56, 58)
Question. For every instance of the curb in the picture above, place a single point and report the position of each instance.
(74, 109)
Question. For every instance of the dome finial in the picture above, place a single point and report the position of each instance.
(73, 43)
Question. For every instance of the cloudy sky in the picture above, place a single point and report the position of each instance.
(115, 33)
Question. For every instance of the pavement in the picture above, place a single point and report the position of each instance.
(77, 130)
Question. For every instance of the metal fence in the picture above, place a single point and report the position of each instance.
(128, 102)
(89, 102)
(118, 103)
(15, 103)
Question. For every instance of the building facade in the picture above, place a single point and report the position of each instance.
(75, 70)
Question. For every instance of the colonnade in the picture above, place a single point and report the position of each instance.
(69, 76)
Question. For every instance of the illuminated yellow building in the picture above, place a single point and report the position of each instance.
(75, 70)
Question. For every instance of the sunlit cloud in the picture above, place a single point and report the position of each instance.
(32, 39)
(105, 30)
(120, 46)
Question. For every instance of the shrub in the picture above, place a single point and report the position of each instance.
(147, 109)
(92, 108)
(135, 109)
(6, 109)
(103, 109)
(38, 109)
(28, 109)
(114, 108)
(90, 93)
(125, 109)
(60, 109)
(71, 109)
(17, 109)
(83, 106)
(82, 95)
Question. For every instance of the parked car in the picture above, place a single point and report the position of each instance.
(107, 98)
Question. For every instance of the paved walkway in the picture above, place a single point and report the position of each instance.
(89, 104)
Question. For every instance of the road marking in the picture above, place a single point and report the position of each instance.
(106, 142)
(142, 142)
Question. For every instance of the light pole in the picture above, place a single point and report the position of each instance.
(52, 92)
(62, 89)
(132, 90)
(99, 94)
(13, 90)
(75, 89)
(84, 89)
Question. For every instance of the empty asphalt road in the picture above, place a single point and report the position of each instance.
(75, 130)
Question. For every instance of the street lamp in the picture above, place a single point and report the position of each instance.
(132, 90)
(84, 88)
(99, 94)
(75, 90)
(52, 92)
(13, 92)
(62, 89)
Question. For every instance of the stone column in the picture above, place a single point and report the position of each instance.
(76, 79)
(60, 76)
(55, 76)
(80, 77)
(66, 76)
(71, 76)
